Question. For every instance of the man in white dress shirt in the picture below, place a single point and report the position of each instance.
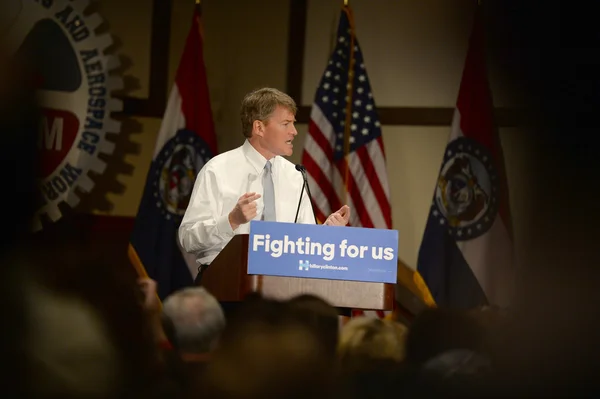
(251, 182)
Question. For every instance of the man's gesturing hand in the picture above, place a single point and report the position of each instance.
(244, 211)
(339, 218)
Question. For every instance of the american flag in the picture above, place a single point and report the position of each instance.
(344, 154)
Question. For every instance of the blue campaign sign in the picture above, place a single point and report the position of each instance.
(319, 251)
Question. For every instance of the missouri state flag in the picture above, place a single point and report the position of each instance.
(466, 255)
(186, 141)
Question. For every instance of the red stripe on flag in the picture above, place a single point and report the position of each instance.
(319, 215)
(323, 182)
(315, 132)
(354, 192)
(474, 98)
(193, 87)
(373, 178)
(475, 106)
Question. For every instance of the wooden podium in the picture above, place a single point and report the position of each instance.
(228, 280)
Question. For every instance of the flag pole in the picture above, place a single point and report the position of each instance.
(348, 121)
(200, 25)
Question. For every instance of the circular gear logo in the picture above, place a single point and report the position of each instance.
(74, 83)
(466, 195)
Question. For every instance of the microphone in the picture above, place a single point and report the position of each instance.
(302, 169)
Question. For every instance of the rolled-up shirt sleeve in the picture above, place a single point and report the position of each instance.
(204, 224)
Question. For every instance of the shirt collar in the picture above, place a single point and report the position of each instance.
(255, 158)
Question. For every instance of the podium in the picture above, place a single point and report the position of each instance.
(228, 280)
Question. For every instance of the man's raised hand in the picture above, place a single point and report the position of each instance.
(244, 211)
(340, 217)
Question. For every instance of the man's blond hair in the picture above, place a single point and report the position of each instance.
(260, 104)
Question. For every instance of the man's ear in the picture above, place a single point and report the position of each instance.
(258, 128)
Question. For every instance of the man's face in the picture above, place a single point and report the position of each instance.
(278, 132)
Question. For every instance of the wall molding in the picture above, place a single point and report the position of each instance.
(154, 105)
(398, 116)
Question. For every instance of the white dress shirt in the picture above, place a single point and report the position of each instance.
(205, 228)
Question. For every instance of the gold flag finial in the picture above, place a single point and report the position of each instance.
(197, 2)
(345, 3)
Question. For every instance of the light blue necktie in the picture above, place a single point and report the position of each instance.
(268, 194)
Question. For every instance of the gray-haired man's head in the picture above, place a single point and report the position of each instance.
(196, 318)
